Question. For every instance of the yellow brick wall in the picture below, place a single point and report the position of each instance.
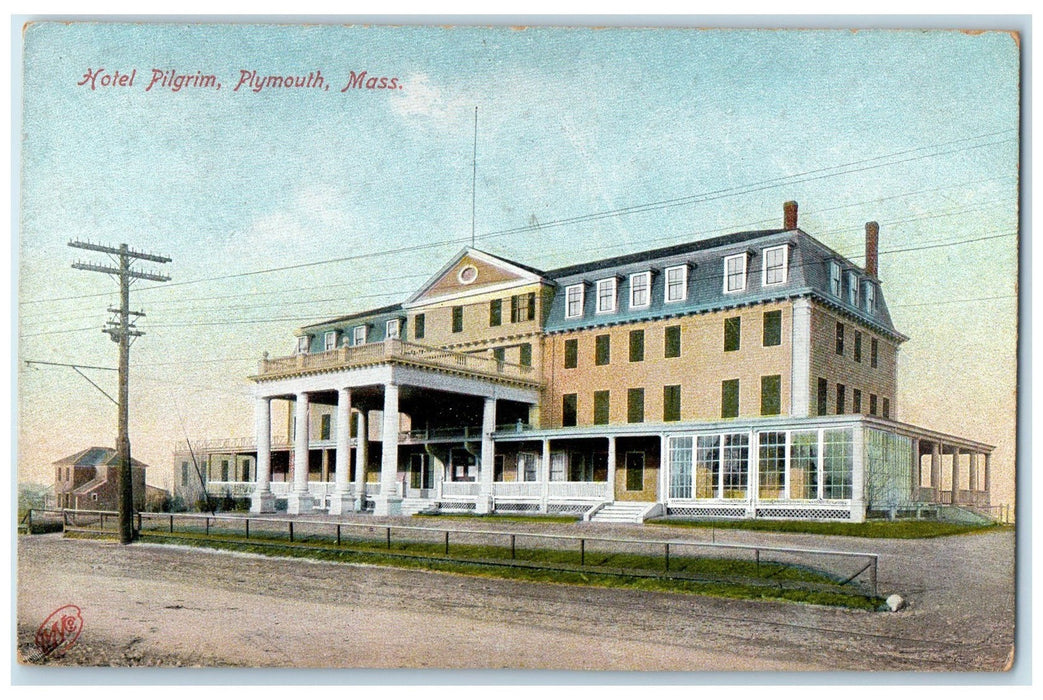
(843, 369)
(700, 369)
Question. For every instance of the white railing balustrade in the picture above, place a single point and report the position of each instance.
(517, 489)
(279, 488)
(396, 350)
(460, 488)
(576, 489)
(235, 489)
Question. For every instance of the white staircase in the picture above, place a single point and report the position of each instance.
(622, 512)
(412, 506)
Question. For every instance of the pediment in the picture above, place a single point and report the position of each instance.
(472, 272)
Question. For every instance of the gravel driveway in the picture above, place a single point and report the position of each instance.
(170, 606)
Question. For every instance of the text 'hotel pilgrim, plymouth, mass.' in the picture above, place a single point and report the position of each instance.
(751, 375)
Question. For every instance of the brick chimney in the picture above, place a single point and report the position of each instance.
(789, 216)
(872, 247)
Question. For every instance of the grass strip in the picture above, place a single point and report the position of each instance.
(901, 529)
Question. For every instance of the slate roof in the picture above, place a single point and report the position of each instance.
(95, 457)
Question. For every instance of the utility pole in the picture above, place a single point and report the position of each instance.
(121, 330)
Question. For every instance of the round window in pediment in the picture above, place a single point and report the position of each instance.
(468, 274)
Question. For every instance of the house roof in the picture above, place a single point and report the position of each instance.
(95, 457)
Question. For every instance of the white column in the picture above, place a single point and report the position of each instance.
(611, 494)
(987, 476)
(263, 501)
(387, 501)
(972, 473)
(858, 475)
(752, 475)
(664, 472)
(955, 475)
(487, 468)
(361, 461)
(936, 471)
(341, 501)
(800, 358)
(545, 476)
(299, 499)
(914, 495)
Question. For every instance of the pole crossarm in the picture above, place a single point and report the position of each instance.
(135, 274)
(123, 250)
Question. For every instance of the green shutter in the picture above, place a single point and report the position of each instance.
(635, 405)
(568, 410)
(637, 346)
(732, 333)
(672, 402)
(571, 353)
(772, 328)
(771, 395)
(672, 342)
(601, 405)
(602, 354)
(730, 398)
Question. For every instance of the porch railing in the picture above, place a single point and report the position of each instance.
(396, 350)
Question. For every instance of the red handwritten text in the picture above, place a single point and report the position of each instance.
(359, 81)
(103, 78)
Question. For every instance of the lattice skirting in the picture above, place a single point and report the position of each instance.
(567, 508)
(456, 506)
(708, 512)
(518, 507)
(805, 513)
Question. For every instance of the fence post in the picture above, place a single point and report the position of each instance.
(291, 531)
(666, 555)
(872, 575)
(171, 524)
(139, 521)
(208, 526)
(248, 528)
(30, 521)
(582, 551)
(102, 521)
(447, 543)
(757, 559)
(65, 520)
(338, 535)
(512, 546)
(387, 534)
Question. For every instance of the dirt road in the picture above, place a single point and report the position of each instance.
(161, 605)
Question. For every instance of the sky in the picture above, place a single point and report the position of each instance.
(282, 207)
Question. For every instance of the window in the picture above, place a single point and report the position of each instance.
(635, 405)
(458, 319)
(246, 469)
(358, 335)
(637, 346)
(324, 426)
(771, 395)
(184, 474)
(708, 466)
(329, 341)
(302, 344)
(772, 328)
(823, 396)
(525, 354)
(775, 265)
(803, 464)
(676, 283)
(869, 297)
(840, 338)
(495, 312)
(672, 402)
(858, 346)
(852, 289)
(872, 353)
(640, 290)
(571, 353)
(568, 410)
(730, 398)
(680, 456)
(602, 350)
(523, 307)
(840, 399)
(499, 354)
(856, 401)
(418, 326)
(672, 342)
(580, 469)
(557, 466)
(771, 465)
(635, 467)
(527, 466)
(735, 273)
(606, 295)
(574, 301)
(872, 404)
(224, 470)
(732, 333)
(887, 408)
(736, 464)
(601, 406)
(836, 463)
(393, 328)
(834, 278)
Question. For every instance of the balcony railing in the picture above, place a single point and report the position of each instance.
(395, 350)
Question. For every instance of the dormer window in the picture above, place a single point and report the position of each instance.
(735, 273)
(870, 297)
(775, 265)
(640, 290)
(358, 335)
(393, 328)
(852, 289)
(834, 278)
(676, 287)
(302, 344)
(574, 301)
(606, 295)
(329, 341)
